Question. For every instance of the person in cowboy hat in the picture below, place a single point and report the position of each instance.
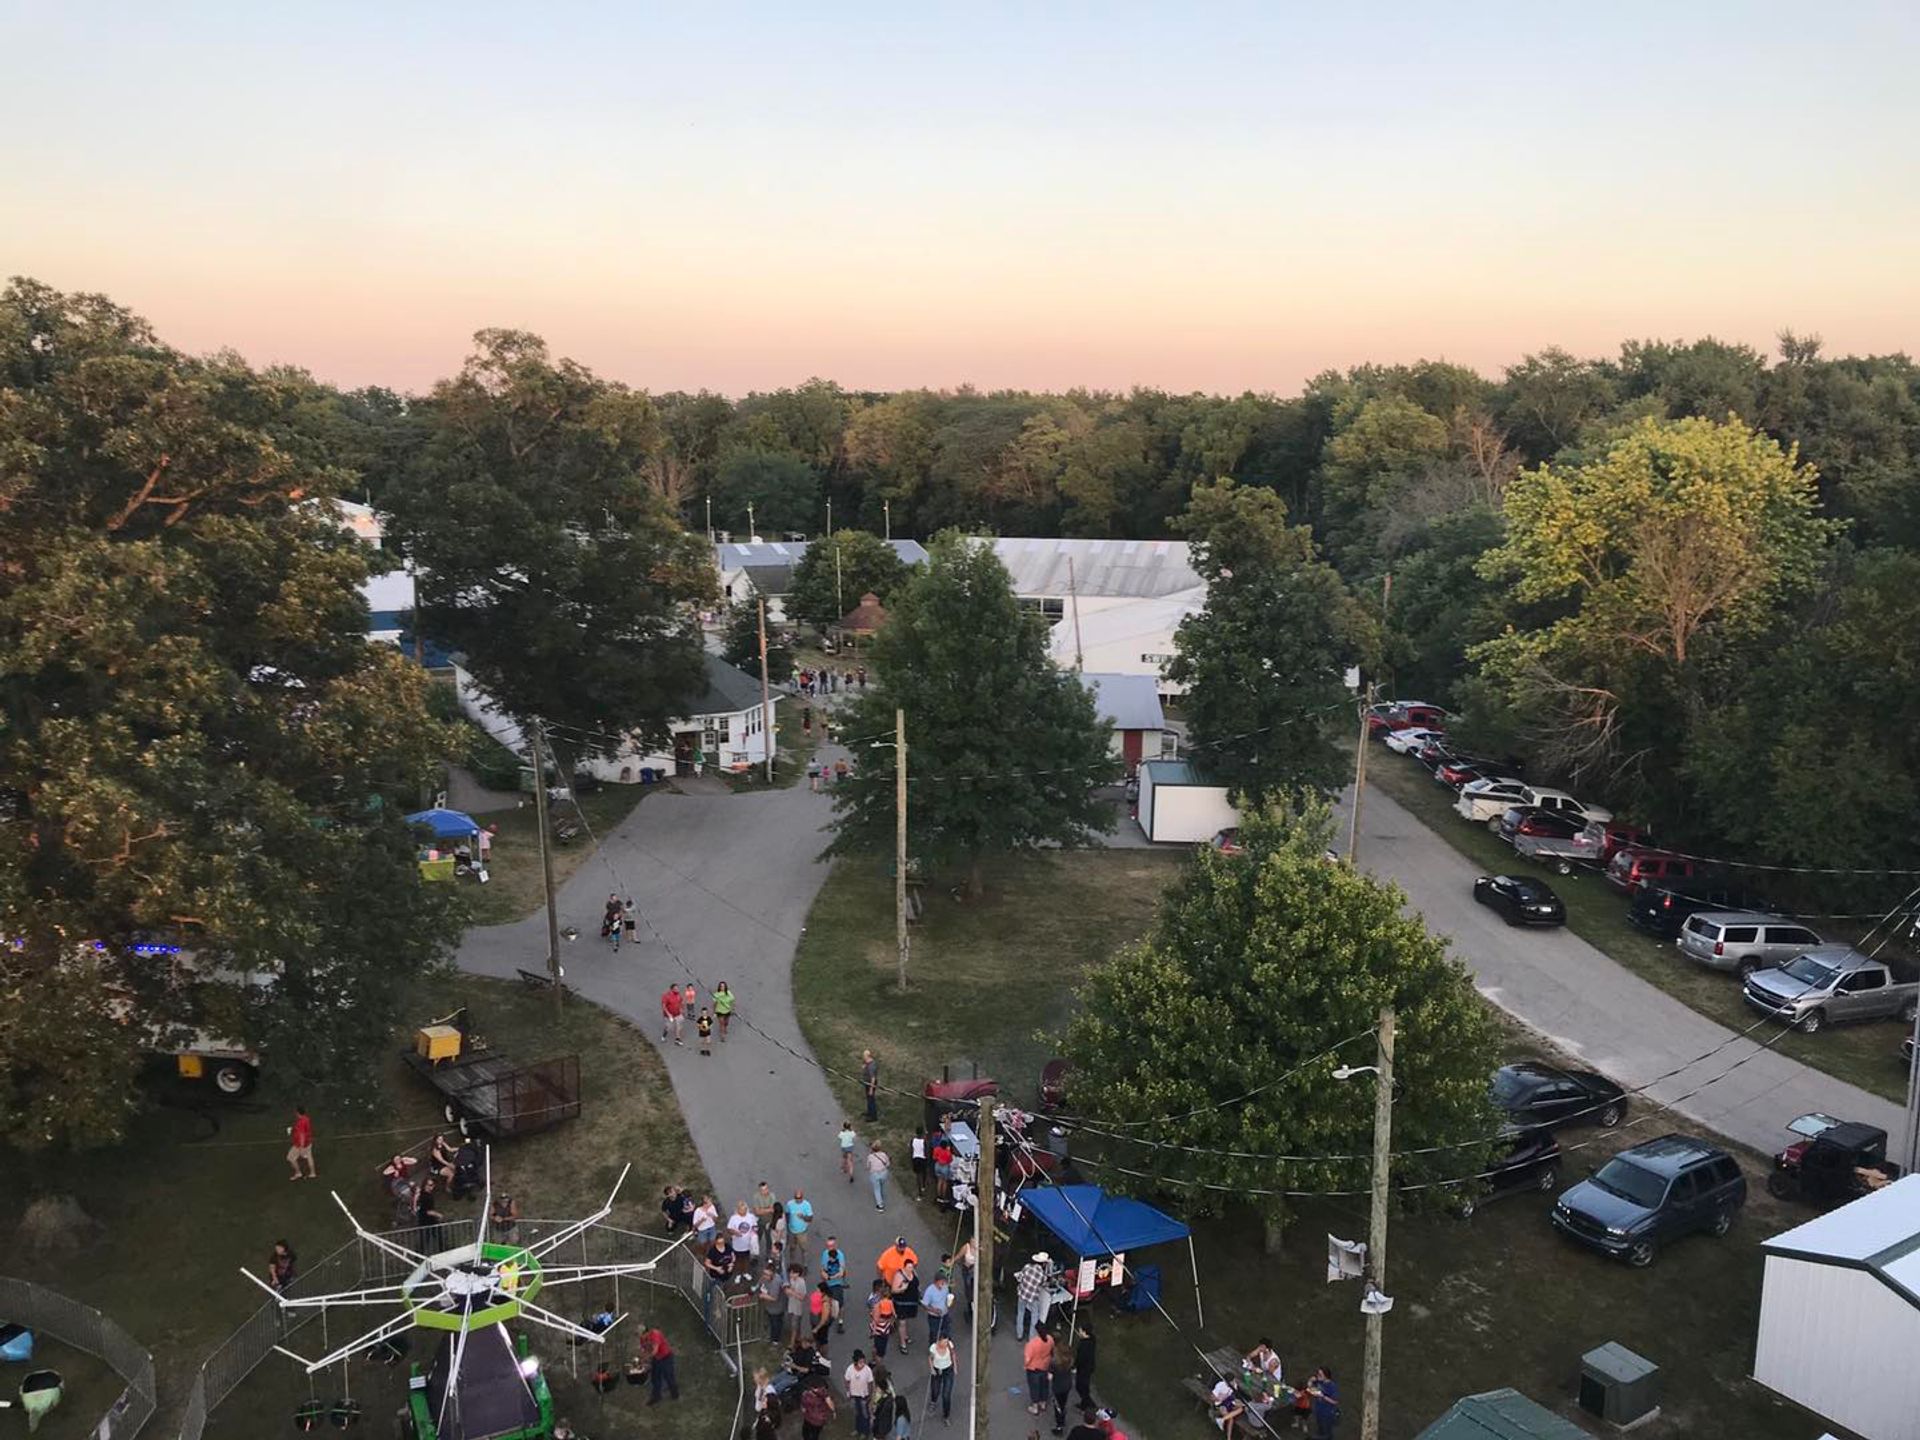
(1034, 1284)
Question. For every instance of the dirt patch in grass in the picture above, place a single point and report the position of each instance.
(201, 1189)
(1867, 1055)
(515, 889)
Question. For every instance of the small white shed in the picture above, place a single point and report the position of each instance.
(1840, 1314)
(1179, 805)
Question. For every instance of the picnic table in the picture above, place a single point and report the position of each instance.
(1229, 1364)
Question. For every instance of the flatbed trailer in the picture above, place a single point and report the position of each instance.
(494, 1096)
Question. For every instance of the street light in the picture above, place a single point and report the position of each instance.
(1376, 1279)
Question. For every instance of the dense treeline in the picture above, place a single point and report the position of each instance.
(1786, 731)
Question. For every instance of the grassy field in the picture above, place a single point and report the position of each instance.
(1867, 1055)
(515, 889)
(1498, 1300)
(987, 977)
(200, 1189)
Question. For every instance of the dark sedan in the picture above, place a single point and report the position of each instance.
(1530, 1093)
(1528, 1159)
(1523, 901)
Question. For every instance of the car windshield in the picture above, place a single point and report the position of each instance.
(1625, 1179)
(1510, 1087)
(1809, 971)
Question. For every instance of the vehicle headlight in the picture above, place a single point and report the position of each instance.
(1617, 1232)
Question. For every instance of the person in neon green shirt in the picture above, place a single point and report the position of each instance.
(723, 1008)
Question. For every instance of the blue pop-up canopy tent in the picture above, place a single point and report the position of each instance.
(1088, 1221)
(446, 824)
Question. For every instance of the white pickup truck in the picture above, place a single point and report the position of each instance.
(1829, 983)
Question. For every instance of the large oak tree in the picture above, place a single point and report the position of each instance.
(199, 744)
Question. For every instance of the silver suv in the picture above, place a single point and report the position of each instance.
(1743, 941)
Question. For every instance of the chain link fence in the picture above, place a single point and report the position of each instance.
(50, 1313)
(361, 1264)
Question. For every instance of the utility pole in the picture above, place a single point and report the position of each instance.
(538, 737)
(900, 840)
(829, 515)
(751, 536)
(709, 519)
(1912, 1157)
(1359, 776)
(839, 599)
(766, 700)
(1377, 1230)
(983, 1218)
(886, 511)
(1073, 595)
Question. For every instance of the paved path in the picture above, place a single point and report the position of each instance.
(728, 881)
(1598, 1010)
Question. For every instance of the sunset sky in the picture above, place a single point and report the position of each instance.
(1202, 196)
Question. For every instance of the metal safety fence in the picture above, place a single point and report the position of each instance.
(48, 1312)
(360, 1264)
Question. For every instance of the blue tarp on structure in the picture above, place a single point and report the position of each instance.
(1088, 1221)
(445, 824)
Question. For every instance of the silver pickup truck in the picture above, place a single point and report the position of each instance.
(1562, 855)
(1829, 983)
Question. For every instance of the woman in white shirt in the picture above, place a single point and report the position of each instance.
(706, 1220)
(940, 1377)
(743, 1235)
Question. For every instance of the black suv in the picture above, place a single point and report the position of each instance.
(1653, 1193)
(1662, 909)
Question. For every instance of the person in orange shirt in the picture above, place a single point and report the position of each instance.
(1036, 1358)
(893, 1257)
(881, 1317)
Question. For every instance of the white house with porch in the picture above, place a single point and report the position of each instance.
(724, 729)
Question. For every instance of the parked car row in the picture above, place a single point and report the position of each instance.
(1786, 969)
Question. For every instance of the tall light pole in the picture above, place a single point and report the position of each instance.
(766, 702)
(1376, 1280)
(537, 737)
(709, 519)
(886, 511)
(900, 841)
(1359, 777)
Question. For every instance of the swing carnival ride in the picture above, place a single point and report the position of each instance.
(482, 1384)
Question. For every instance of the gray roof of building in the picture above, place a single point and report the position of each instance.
(729, 689)
(769, 563)
(1130, 702)
(1130, 569)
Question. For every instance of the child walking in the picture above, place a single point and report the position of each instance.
(705, 1027)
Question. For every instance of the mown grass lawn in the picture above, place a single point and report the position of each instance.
(515, 889)
(1867, 1055)
(1498, 1300)
(200, 1189)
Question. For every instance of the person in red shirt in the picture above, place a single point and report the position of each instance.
(300, 1144)
(672, 1008)
(942, 1167)
(660, 1374)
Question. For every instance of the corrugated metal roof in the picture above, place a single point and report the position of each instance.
(1129, 702)
(741, 555)
(1128, 569)
(1860, 1230)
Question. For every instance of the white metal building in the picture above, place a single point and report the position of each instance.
(765, 568)
(1840, 1314)
(1127, 637)
(1179, 805)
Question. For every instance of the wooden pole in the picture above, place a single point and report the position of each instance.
(900, 840)
(1377, 1230)
(983, 1219)
(1359, 777)
(1073, 596)
(538, 738)
(766, 698)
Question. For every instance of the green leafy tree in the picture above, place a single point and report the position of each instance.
(1264, 664)
(199, 745)
(1005, 750)
(546, 556)
(1683, 538)
(740, 643)
(782, 489)
(836, 571)
(1301, 953)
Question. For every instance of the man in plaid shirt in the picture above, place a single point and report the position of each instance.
(1034, 1282)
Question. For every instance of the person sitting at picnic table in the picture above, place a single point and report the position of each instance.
(1227, 1406)
(1264, 1361)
